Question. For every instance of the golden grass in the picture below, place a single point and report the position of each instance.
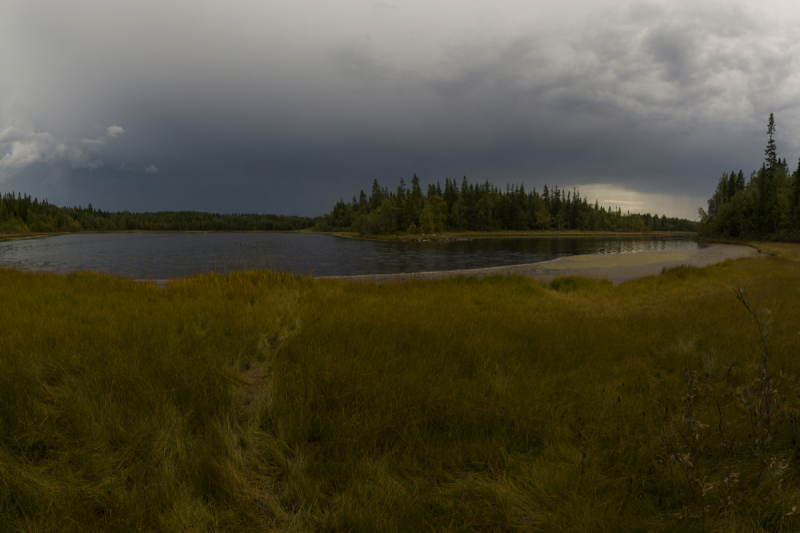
(260, 401)
(786, 250)
(616, 260)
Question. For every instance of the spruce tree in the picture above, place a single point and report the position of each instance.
(414, 202)
(377, 196)
(740, 181)
(795, 197)
(771, 151)
(766, 199)
(400, 200)
(731, 189)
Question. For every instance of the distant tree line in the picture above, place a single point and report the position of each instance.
(472, 207)
(767, 206)
(20, 213)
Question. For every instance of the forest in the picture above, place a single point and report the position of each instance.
(766, 207)
(475, 207)
(21, 214)
(468, 208)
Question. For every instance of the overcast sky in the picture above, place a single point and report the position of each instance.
(286, 106)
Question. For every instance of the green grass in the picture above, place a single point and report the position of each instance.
(259, 401)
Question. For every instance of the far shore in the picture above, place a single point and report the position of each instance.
(395, 237)
(33, 234)
(505, 234)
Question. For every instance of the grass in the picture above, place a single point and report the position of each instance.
(260, 401)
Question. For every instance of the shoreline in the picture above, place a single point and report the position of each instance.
(613, 267)
(616, 268)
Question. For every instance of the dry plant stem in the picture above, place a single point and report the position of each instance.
(762, 324)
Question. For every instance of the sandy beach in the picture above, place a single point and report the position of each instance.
(614, 267)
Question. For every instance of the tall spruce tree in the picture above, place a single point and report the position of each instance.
(771, 151)
(740, 181)
(766, 178)
(377, 196)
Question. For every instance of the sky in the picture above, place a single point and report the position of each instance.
(287, 106)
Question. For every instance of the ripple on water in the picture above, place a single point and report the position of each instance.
(170, 255)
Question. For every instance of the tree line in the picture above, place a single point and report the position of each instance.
(475, 207)
(20, 213)
(767, 206)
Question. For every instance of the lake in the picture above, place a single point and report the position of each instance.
(171, 255)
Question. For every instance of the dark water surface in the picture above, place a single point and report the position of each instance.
(171, 255)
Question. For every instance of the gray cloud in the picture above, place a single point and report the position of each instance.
(114, 131)
(23, 149)
(285, 108)
(94, 143)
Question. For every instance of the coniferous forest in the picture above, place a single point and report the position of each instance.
(20, 214)
(468, 208)
(473, 207)
(767, 206)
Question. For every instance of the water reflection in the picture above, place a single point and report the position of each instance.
(167, 255)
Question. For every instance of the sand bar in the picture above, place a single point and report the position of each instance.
(614, 267)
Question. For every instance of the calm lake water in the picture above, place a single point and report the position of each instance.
(170, 255)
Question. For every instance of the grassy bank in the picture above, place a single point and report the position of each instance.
(787, 250)
(30, 235)
(259, 400)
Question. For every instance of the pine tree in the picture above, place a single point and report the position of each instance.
(766, 197)
(740, 181)
(414, 202)
(377, 196)
(400, 200)
(771, 151)
(795, 197)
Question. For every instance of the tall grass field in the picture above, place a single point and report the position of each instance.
(259, 401)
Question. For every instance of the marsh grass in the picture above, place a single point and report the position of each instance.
(125, 406)
(257, 400)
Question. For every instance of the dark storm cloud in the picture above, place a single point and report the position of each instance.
(270, 107)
